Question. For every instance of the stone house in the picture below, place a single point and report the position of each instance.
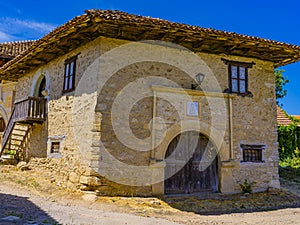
(130, 105)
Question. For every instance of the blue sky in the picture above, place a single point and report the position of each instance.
(276, 20)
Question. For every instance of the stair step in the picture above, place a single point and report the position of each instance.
(20, 129)
(18, 132)
(7, 156)
(17, 138)
(14, 141)
(20, 135)
(14, 147)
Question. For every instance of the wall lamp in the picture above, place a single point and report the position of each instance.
(199, 78)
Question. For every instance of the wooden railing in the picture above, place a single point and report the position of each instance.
(30, 110)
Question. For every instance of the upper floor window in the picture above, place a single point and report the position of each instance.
(70, 72)
(238, 79)
(238, 76)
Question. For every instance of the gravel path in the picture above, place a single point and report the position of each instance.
(21, 207)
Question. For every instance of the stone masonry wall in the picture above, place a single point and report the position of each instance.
(91, 150)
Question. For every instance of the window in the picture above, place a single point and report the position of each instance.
(237, 79)
(55, 145)
(238, 76)
(252, 153)
(69, 77)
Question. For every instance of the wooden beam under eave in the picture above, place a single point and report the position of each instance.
(36, 61)
(179, 39)
(197, 44)
(46, 55)
(188, 45)
(143, 35)
(62, 49)
(83, 37)
(160, 36)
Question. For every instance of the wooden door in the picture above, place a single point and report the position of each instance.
(184, 158)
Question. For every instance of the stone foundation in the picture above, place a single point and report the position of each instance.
(82, 178)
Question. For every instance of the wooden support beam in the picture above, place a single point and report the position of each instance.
(179, 39)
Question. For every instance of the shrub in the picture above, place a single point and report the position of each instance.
(247, 187)
(292, 161)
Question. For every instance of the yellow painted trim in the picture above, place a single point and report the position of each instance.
(153, 126)
(191, 92)
(230, 128)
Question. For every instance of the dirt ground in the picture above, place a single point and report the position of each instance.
(28, 197)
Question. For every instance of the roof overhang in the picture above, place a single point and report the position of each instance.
(115, 24)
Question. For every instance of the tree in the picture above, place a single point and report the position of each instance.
(280, 82)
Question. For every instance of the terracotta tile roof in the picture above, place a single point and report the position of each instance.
(131, 18)
(116, 24)
(283, 119)
(12, 49)
(296, 116)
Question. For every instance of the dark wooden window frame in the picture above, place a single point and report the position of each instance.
(69, 75)
(54, 149)
(253, 153)
(239, 65)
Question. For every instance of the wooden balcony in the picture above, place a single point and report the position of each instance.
(28, 111)
(32, 110)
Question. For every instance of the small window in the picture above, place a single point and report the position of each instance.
(69, 77)
(252, 153)
(55, 146)
(238, 76)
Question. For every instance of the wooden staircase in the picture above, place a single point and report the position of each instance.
(25, 113)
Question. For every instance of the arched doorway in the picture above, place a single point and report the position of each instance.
(186, 155)
(2, 124)
(40, 86)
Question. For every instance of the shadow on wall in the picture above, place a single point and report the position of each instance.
(19, 210)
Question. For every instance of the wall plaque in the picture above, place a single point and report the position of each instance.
(192, 108)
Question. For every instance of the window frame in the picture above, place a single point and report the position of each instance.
(57, 150)
(238, 65)
(55, 140)
(251, 149)
(69, 75)
(238, 79)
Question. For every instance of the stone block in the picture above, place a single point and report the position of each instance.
(90, 181)
(89, 196)
(73, 177)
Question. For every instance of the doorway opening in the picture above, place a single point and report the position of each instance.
(186, 170)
